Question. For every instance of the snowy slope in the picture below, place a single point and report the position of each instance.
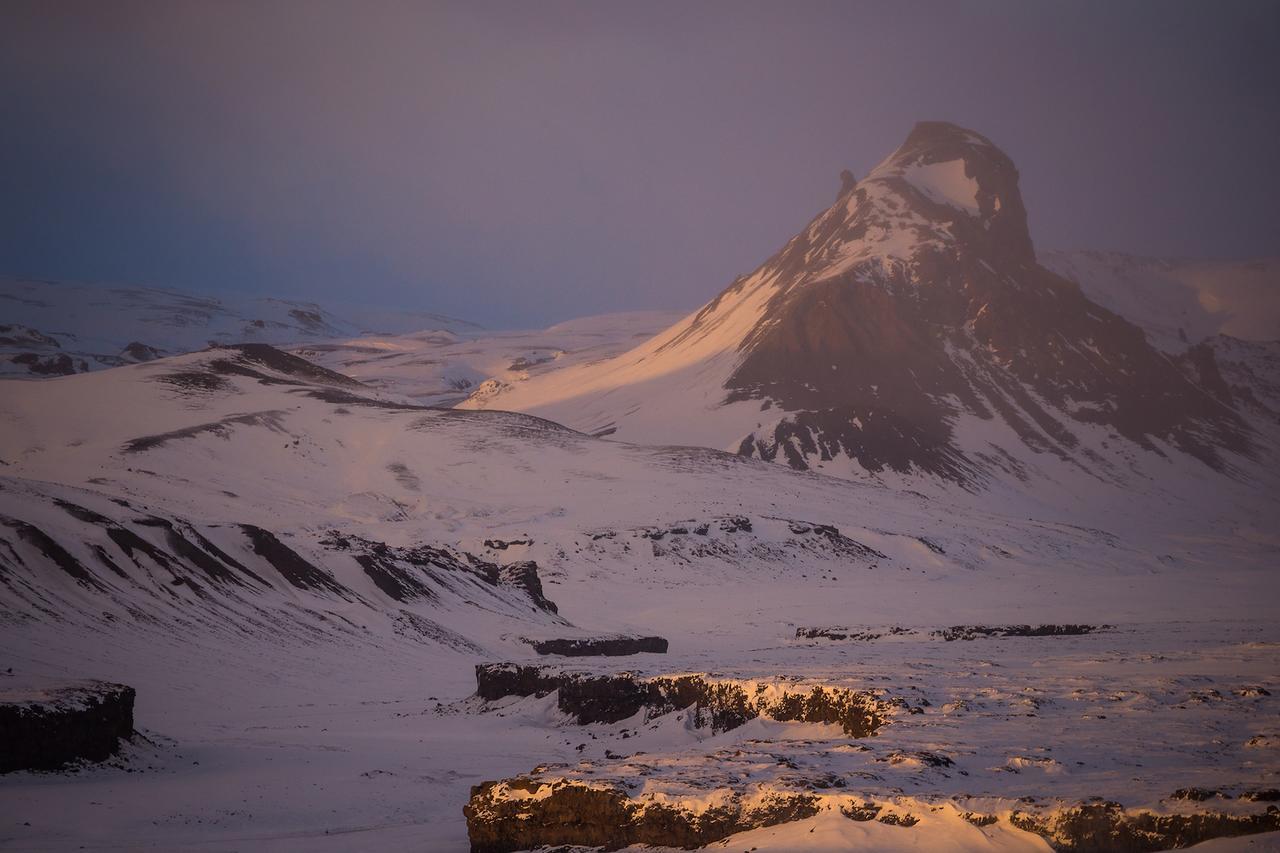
(299, 572)
(56, 328)
(442, 368)
(908, 334)
(1179, 302)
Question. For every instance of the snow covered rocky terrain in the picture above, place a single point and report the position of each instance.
(910, 330)
(357, 621)
(442, 367)
(50, 328)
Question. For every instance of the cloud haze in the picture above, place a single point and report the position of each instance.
(522, 163)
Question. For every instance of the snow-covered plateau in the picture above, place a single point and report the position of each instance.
(299, 574)
(975, 584)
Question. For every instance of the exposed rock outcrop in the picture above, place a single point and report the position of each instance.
(615, 646)
(524, 575)
(1105, 827)
(521, 813)
(864, 635)
(720, 704)
(546, 809)
(972, 632)
(45, 728)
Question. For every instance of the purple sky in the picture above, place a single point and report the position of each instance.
(522, 163)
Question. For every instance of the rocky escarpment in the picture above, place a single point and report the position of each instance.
(45, 728)
(718, 704)
(973, 632)
(865, 634)
(1106, 827)
(126, 559)
(521, 813)
(613, 646)
(531, 811)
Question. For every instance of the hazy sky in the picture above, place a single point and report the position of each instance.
(520, 163)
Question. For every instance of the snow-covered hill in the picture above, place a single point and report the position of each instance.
(909, 333)
(443, 368)
(299, 573)
(1179, 302)
(58, 328)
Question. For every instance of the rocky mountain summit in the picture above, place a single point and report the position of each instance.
(909, 328)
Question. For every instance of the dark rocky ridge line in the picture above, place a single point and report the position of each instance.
(973, 632)
(615, 646)
(180, 570)
(863, 635)
(720, 705)
(49, 728)
(527, 812)
(406, 573)
(949, 634)
(1106, 827)
(606, 817)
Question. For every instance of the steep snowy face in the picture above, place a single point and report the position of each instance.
(911, 308)
(919, 300)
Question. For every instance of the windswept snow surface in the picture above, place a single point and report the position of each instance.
(443, 368)
(908, 336)
(946, 183)
(320, 702)
(56, 327)
(1179, 302)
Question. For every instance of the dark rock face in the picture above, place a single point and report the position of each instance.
(52, 551)
(854, 634)
(504, 544)
(605, 817)
(524, 575)
(292, 567)
(59, 364)
(719, 705)
(409, 573)
(138, 351)
(874, 355)
(299, 370)
(48, 729)
(1105, 827)
(973, 632)
(536, 810)
(600, 646)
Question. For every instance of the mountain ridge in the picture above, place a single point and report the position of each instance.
(914, 301)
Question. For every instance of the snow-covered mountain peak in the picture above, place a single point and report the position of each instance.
(909, 328)
(944, 187)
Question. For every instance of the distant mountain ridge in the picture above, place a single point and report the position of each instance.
(58, 328)
(1179, 302)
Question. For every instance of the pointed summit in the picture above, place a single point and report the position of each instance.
(907, 329)
(943, 169)
(847, 184)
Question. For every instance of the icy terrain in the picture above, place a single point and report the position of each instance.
(910, 335)
(442, 368)
(50, 328)
(298, 573)
(1014, 588)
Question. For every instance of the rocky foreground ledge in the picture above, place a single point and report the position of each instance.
(1019, 738)
(533, 811)
(720, 704)
(50, 726)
